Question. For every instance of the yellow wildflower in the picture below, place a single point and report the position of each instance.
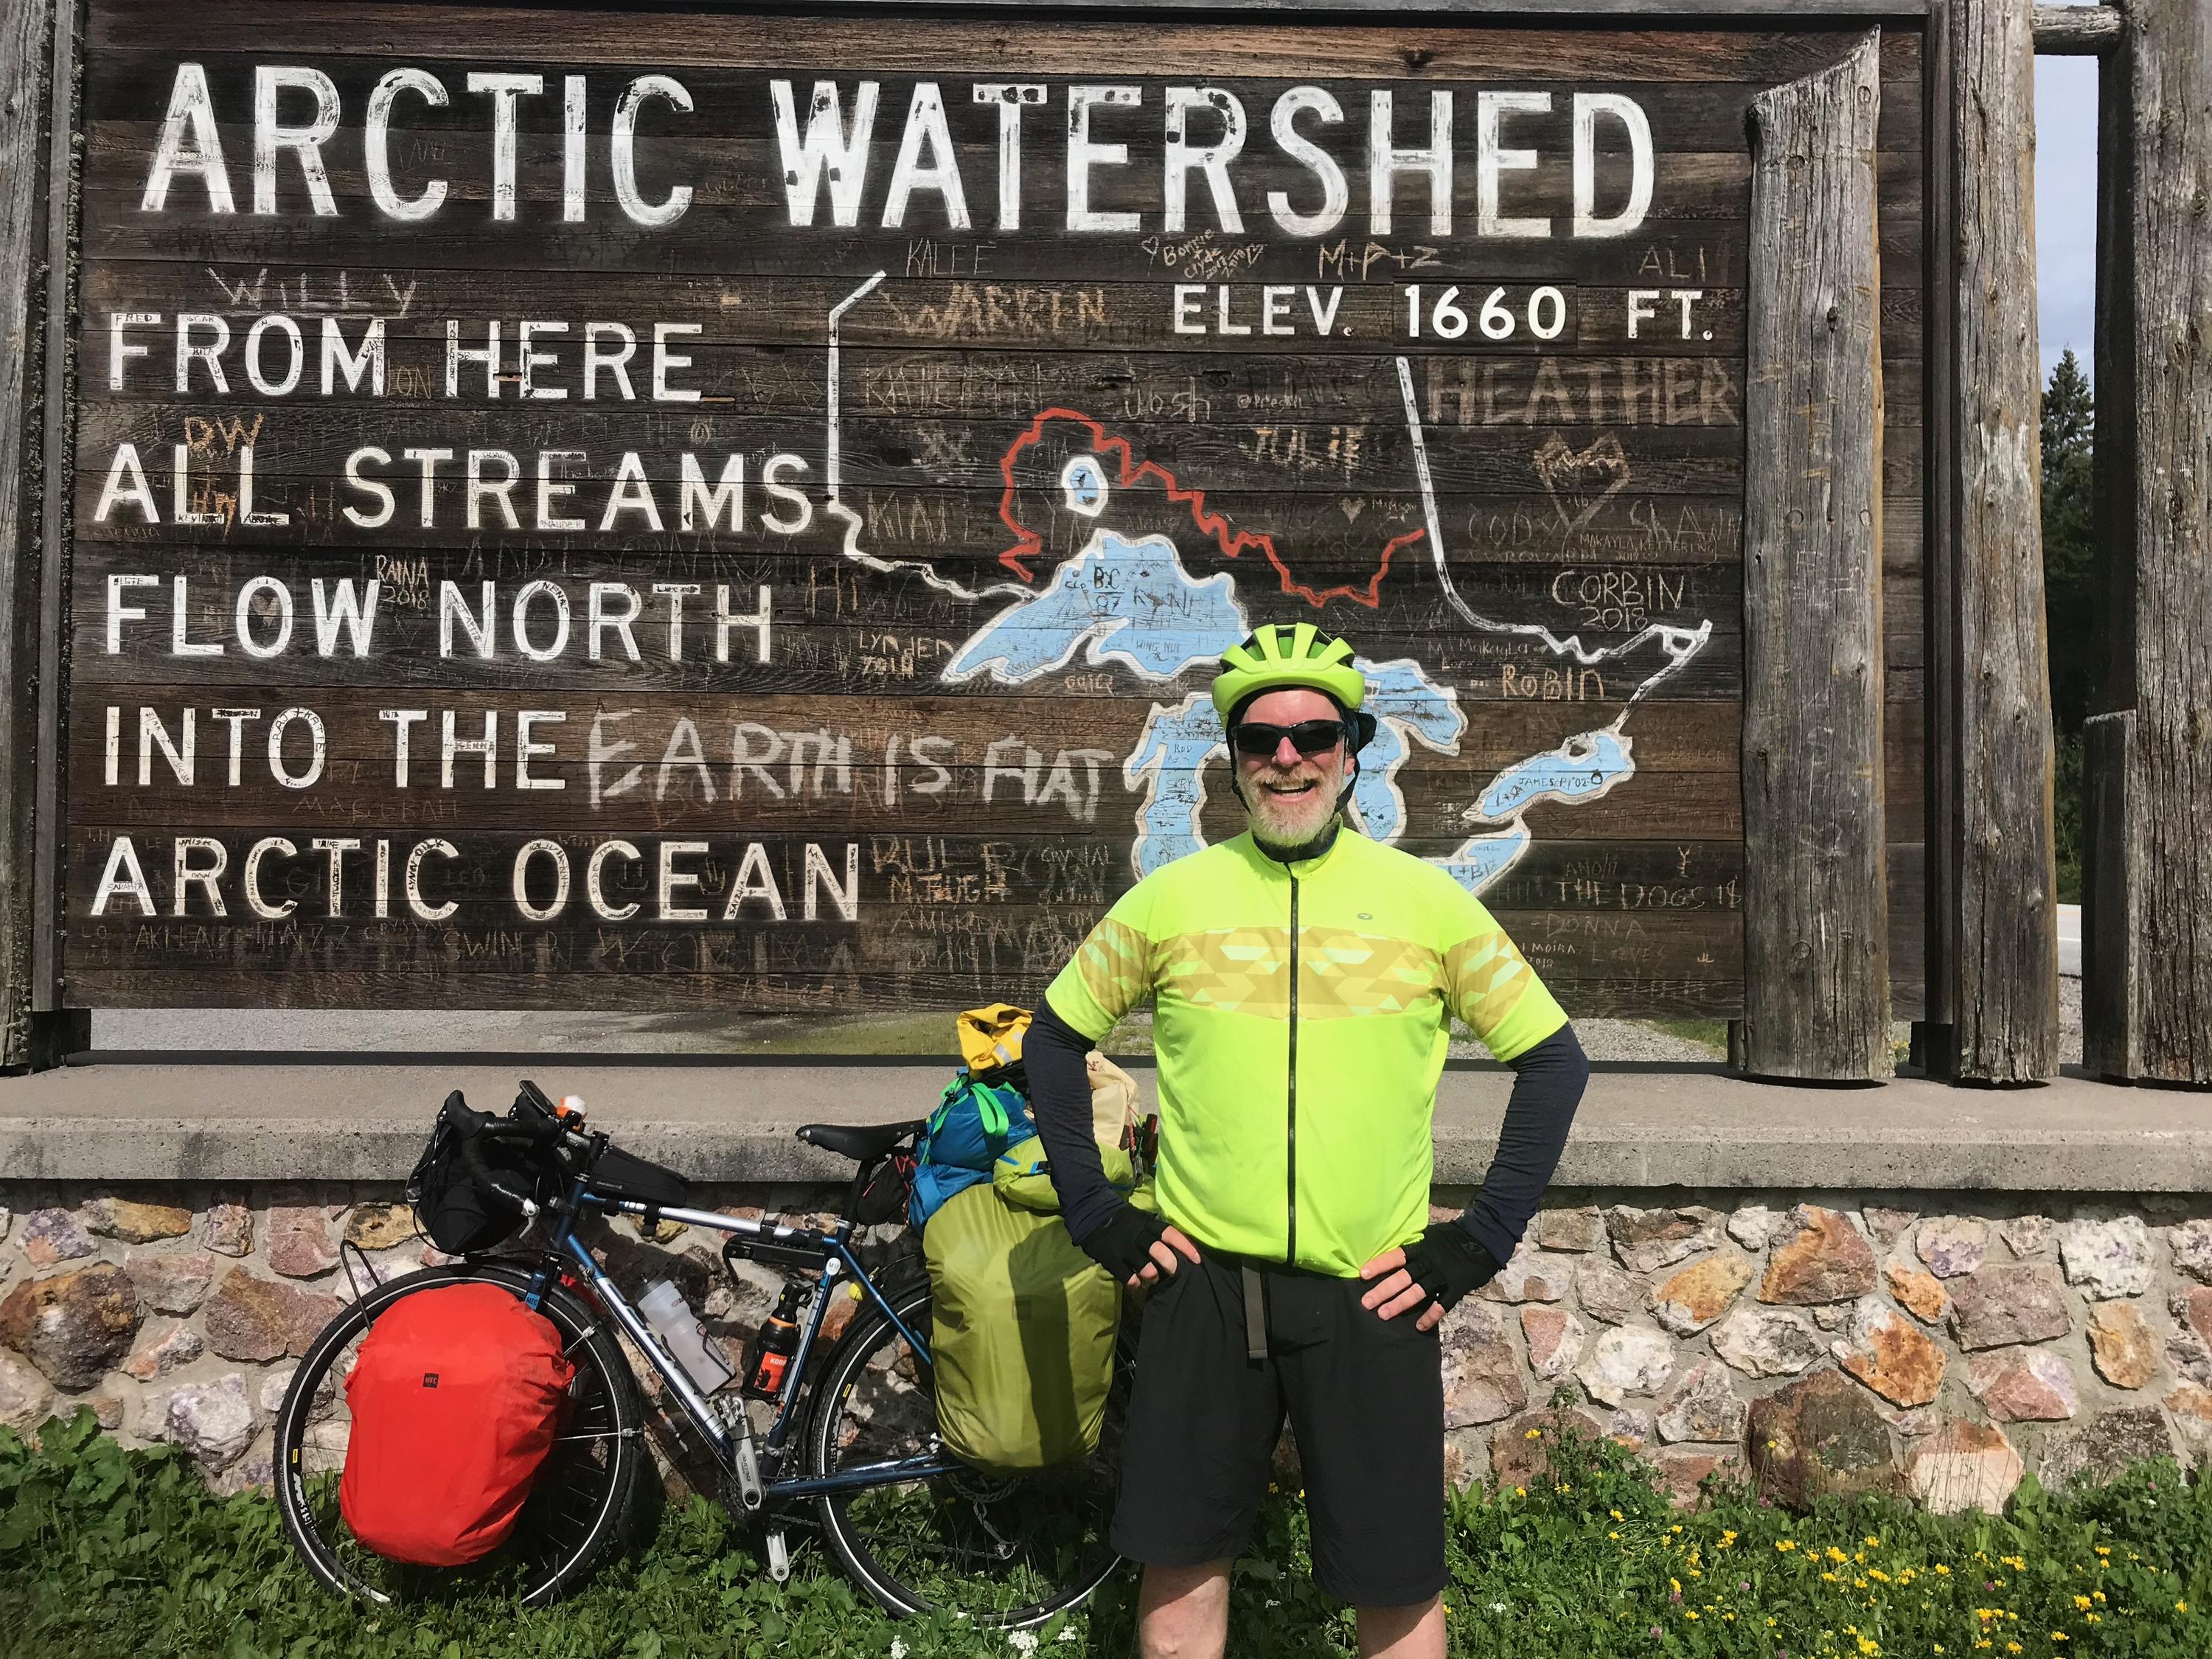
(1873, 1542)
(2059, 1636)
(2081, 1603)
(1616, 1515)
(1942, 1570)
(1868, 1646)
(2012, 1647)
(1785, 1545)
(1612, 1534)
(1689, 1612)
(1726, 1539)
(2181, 1606)
(1520, 1492)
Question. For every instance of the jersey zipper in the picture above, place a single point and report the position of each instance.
(1290, 1249)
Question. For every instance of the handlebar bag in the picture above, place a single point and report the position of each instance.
(457, 1395)
(456, 1214)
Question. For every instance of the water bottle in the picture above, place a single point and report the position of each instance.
(768, 1358)
(680, 1332)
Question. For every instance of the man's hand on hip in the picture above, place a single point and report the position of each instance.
(1138, 1248)
(1431, 1274)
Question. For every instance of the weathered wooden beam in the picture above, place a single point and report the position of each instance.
(58, 1030)
(25, 35)
(2148, 933)
(2002, 903)
(2076, 31)
(1816, 922)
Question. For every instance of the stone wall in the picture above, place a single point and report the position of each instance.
(1829, 1341)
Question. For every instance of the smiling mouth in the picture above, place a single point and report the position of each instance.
(1291, 791)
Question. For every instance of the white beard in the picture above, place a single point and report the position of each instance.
(1288, 824)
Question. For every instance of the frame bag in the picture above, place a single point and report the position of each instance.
(457, 1396)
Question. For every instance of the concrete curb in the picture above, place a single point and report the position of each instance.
(1637, 1129)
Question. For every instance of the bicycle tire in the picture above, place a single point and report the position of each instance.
(605, 1422)
(870, 1335)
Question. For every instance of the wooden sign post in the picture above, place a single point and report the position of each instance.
(2147, 937)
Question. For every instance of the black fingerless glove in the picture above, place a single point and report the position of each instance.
(1123, 1244)
(1447, 1262)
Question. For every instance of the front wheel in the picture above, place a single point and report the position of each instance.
(1004, 1550)
(577, 1502)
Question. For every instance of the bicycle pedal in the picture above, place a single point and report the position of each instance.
(778, 1555)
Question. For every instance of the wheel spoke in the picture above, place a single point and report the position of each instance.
(1000, 1549)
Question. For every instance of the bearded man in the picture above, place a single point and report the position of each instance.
(1304, 980)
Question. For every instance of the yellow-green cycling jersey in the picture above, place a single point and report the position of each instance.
(1302, 1014)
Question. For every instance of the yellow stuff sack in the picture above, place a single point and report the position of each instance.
(991, 1038)
(1022, 1333)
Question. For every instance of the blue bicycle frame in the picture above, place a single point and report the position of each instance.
(838, 1263)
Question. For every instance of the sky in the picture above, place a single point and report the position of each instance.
(2066, 205)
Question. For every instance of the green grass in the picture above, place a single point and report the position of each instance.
(104, 1553)
(1705, 1033)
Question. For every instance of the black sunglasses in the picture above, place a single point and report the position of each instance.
(1307, 737)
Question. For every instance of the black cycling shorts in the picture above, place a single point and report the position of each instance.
(1365, 1400)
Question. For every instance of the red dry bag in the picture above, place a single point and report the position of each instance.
(456, 1398)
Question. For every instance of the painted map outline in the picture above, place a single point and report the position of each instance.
(1179, 741)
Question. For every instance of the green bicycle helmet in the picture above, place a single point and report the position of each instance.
(1279, 656)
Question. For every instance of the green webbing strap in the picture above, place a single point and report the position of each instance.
(990, 1109)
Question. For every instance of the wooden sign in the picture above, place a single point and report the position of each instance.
(612, 511)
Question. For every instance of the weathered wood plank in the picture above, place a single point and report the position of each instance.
(25, 32)
(2005, 940)
(1816, 966)
(2076, 31)
(2148, 934)
(834, 45)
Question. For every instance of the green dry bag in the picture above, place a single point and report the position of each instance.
(1022, 1333)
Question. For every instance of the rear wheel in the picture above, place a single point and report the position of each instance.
(577, 1503)
(1002, 1550)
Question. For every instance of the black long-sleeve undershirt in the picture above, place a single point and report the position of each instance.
(1547, 1086)
(1059, 1093)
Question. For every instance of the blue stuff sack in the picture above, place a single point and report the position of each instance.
(972, 1126)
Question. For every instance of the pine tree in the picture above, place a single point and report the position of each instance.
(2072, 606)
(2070, 565)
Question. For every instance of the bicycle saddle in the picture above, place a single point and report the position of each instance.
(859, 1141)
